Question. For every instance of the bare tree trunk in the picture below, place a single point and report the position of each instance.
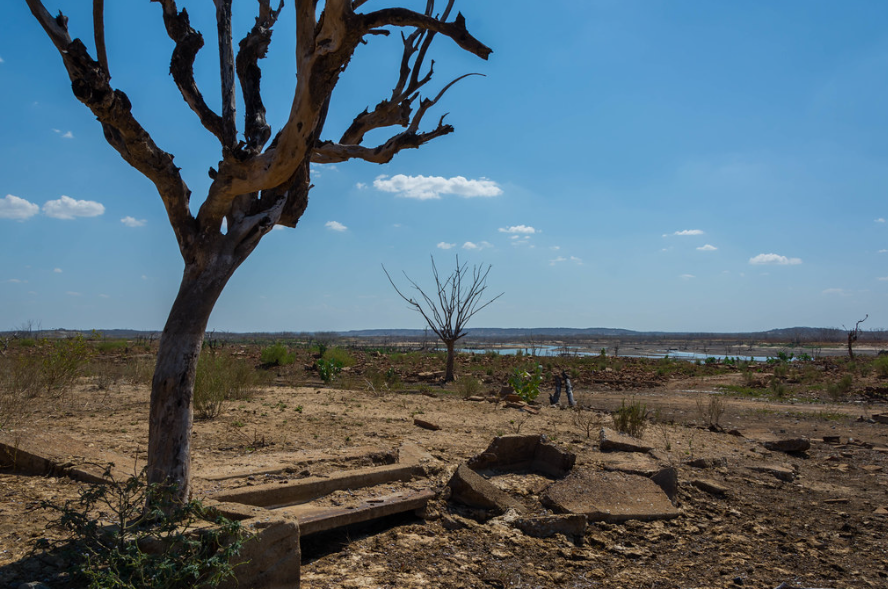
(172, 390)
(448, 375)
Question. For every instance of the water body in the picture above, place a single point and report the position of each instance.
(560, 351)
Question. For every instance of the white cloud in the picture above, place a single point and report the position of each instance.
(443, 245)
(17, 281)
(278, 227)
(1, 60)
(774, 259)
(576, 260)
(68, 208)
(685, 232)
(335, 226)
(133, 222)
(557, 260)
(883, 278)
(880, 220)
(522, 229)
(707, 248)
(74, 294)
(432, 187)
(144, 277)
(883, 251)
(555, 248)
(836, 291)
(360, 186)
(65, 135)
(687, 276)
(57, 270)
(13, 207)
(476, 246)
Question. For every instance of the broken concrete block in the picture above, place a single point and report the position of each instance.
(611, 497)
(710, 486)
(471, 489)
(799, 444)
(611, 441)
(707, 462)
(530, 452)
(780, 472)
(549, 525)
(271, 558)
(667, 479)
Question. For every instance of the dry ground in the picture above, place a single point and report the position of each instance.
(826, 528)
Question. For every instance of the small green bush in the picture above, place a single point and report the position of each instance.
(328, 369)
(880, 365)
(526, 383)
(837, 390)
(469, 387)
(631, 419)
(132, 547)
(338, 355)
(277, 355)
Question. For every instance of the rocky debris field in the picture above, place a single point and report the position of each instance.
(774, 492)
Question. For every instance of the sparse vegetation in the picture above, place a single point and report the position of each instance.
(631, 419)
(526, 382)
(277, 355)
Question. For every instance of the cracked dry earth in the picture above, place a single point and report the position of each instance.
(816, 519)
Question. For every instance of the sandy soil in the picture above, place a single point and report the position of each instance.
(825, 528)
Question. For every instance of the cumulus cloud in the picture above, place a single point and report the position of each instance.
(65, 135)
(685, 232)
(774, 259)
(880, 220)
(133, 222)
(69, 208)
(57, 270)
(432, 187)
(557, 260)
(519, 229)
(13, 207)
(707, 248)
(360, 186)
(335, 226)
(476, 246)
(443, 245)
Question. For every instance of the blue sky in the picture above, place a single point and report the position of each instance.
(650, 165)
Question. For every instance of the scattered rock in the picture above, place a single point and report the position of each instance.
(707, 462)
(471, 489)
(610, 497)
(667, 479)
(475, 398)
(611, 441)
(799, 444)
(549, 525)
(710, 486)
(426, 424)
(880, 417)
(780, 472)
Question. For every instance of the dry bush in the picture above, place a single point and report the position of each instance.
(468, 387)
(587, 421)
(220, 378)
(712, 410)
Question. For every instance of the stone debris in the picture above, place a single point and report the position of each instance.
(710, 486)
(799, 444)
(667, 479)
(473, 490)
(549, 525)
(611, 441)
(707, 462)
(426, 424)
(610, 497)
(780, 472)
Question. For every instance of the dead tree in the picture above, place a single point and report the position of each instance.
(455, 300)
(256, 185)
(853, 334)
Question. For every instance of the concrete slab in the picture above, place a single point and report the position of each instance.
(613, 441)
(470, 488)
(611, 497)
(278, 462)
(41, 453)
(316, 519)
(273, 495)
(517, 452)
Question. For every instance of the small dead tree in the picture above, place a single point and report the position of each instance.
(263, 178)
(455, 300)
(853, 335)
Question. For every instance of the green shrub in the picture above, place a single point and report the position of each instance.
(880, 365)
(469, 387)
(837, 390)
(277, 355)
(158, 547)
(219, 379)
(631, 419)
(328, 370)
(526, 384)
(62, 362)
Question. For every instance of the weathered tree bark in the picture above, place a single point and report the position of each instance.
(451, 356)
(254, 187)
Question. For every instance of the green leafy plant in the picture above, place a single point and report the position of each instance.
(631, 419)
(116, 542)
(277, 355)
(329, 369)
(220, 378)
(526, 383)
